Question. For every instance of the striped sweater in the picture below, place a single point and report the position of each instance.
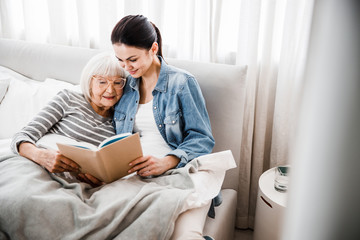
(67, 114)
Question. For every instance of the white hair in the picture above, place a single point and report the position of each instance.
(104, 64)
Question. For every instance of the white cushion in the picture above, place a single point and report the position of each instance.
(24, 99)
(4, 85)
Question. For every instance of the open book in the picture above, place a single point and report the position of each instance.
(110, 160)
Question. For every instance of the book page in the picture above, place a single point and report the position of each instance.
(50, 140)
(86, 158)
(113, 139)
(117, 156)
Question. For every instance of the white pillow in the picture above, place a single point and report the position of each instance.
(24, 99)
(4, 85)
(57, 84)
(5, 146)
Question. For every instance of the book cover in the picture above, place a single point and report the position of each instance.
(108, 162)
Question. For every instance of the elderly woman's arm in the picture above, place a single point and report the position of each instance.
(24, 141)
(52, 160)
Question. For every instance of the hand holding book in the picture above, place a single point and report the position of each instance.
(110, 160)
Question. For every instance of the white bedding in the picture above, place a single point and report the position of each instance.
(21, 98)
(39, 205)
(5, 146)
(24, 98)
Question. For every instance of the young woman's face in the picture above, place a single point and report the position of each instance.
(106, 91)
(135, 61)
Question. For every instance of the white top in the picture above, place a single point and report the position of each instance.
(266, 185)
(151, 140)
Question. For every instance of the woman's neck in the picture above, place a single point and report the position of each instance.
(149, 81)
(106, 112)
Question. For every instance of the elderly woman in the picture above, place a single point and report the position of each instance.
(83, 116)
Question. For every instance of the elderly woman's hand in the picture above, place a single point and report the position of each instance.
(52, 160)
(90, 179)
(55, 162)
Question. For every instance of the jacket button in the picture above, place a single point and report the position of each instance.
(131, 119)
(173, 122)
(160, 125)
(155, 107)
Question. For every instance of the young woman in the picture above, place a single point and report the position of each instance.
(163, 103)
(84, 117)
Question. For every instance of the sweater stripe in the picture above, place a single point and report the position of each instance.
(70, 115)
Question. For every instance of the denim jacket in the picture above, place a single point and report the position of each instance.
(179, 111)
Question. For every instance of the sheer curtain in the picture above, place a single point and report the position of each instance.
(270, 36)
(273, 39)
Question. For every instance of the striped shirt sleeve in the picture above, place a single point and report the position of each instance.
(67, 114)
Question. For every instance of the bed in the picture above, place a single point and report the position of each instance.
(32, 73)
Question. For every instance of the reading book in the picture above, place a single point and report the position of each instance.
(110, 160)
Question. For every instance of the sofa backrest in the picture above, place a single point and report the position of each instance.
(223, 86)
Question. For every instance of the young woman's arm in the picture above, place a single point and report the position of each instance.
(197, 135)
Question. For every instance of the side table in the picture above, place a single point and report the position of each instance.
(270, 209)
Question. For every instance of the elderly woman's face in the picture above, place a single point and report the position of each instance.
(106, 91)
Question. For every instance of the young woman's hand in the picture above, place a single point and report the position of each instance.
(52, 160)
(151, 166)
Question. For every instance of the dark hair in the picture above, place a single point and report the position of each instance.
(136, 31)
